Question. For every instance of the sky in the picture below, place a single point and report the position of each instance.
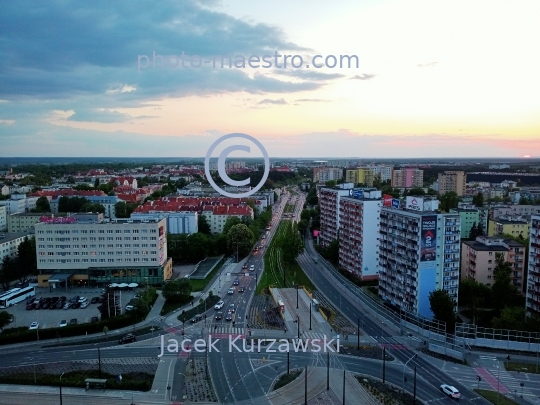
(427, 78)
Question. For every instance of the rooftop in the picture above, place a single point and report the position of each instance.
(8, 237)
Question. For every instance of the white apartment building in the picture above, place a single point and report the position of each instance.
(217, 216)
(532, 302)
(96, 253)
(14, 206)
(177, 222)
(329, 212)
(383, 171)
(3, 218)
(419, 253)
(9, 243)
(359, 217)
(324, 174)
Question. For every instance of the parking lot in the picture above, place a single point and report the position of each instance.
(51, 318)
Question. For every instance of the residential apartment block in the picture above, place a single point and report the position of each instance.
(514, 210)
(3, 218)
(25, 221)
(19, 203)
(329, 212)
(383, 172)
(419, 253)
(507, 225)
(177, 222)
(359, 217)
(85, 250)
(532, 302)
(470, 216)
(324, 174)
(455, 181)
(363, 176)
(478, 260)
(9, 243)
(408, 178)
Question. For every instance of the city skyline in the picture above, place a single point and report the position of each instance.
(442, 79)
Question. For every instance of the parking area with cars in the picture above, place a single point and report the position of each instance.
(59, 309)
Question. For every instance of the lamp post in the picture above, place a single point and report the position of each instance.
(403, 379)
(310, 316)
(298, 321)
(61, 388)
(296, 296)
(32, 360)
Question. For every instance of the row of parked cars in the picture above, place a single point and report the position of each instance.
(60, 302)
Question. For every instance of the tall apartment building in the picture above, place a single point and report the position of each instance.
(360, 175)
(455, 181)
(81, 250)
(478, 260)
(507, 225)
(408, 178)
(470, 216)
(3, 218)
(418, 253)
(359, 217)
(324, 174)
(384, 172)
(329, 212)
(532, 302)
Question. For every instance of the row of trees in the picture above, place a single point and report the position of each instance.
(22, 266)
(78, 204)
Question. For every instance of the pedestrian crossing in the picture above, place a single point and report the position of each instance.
(226, 330)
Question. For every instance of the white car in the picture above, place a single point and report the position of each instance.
(34, 325)
(231, 291)
(219, 305)
(252, 268)
(129, 307)
(450, 391)
(63, 323)
(82, 299)
(84, 304)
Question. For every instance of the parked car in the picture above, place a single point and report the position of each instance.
(241, 288)
(450, 391)
(67, 305)
(76, 305)
(219, 305)
(94, 319)
(129, 307)
(94, 300)
(73, 321)
(196, 318)
(63, 323)
(82, 299)
(59, 305)
(84, 304)
(30, 301)
(231, 291)
(44, 305)
(252, 267)
(219, 315)
(34, 325)
(130, 337)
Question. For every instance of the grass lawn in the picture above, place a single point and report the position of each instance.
(273, 269)
(287, 378)
(491, 396)
(289, 208)
(199, 285)
(171, 305)
(522, 367)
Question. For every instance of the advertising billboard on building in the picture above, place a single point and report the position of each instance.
(358, 194)
(57, 220)
(428, 238)
(396, 203)
(387, 200)
(414, 203)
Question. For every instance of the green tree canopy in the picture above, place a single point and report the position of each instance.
(42, 205)
(203, 225)
(178, 289)
(290, 242)
(5, 319)
(478, 200)
(474, 295)
(442, 306)
(240, 239)
(230, 222)
(503, 290)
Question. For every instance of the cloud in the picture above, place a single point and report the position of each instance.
(270, 101)
(363, 76)
(310, 74)
(312, 100)
(427, 64)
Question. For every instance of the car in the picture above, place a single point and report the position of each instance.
(94, 319)
(59, 305)
(31, 306)
(136, 296)
(100, 300)
(34, 325)
(129, 307)
(231, 291)
(44, 305)
(231, 308)
(73, 321)
(196, 318)
(94, 300)
(74, 299)
(67, 305)
(241, 288)
(84, 304)
(130, 337)
(252, 268)
(219, 315)
(244, 267)
(229, 316)
(219, 305)
(450, 391)
(255, 248)
(76, 305)
(30, 301)
(264, 236)
(63, 323)
(82, 299)
(52, 305)
(62, 298)
(236, 282)
(55, 299)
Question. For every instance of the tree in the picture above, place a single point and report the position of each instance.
(177, 290)
(96, 183)
(504, 293)
(229, 223)
(449, 200)
(110, 306)
(290, 242)
(26, 261)
(203, 225)
(330, 183)
(474, 295)
(480, 231)
(510, 318)
(240, 239)
(89, 207)
(5, 319)
(120, 209)
(473, 233)
(332, 251)
(198, 245)
(7, 272)
(42, 205)
(478, 200)
(442, 306)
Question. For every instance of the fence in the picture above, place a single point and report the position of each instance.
(502, 339)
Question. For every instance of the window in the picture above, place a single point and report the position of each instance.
(126, 231)
(92, 231)
(93, 238)
(118, 238)
(102, 260)
(110, 260)
(144, 230)
(101, 231)
(135, 238)
(85, 260)
(110, 245)
(118, 245)
(109, 231)
(119, 253)
(110, 238)
(101, 238)
(127, 252)
(118, 231)
(491, 253)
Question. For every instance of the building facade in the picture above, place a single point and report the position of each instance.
(408, 178)
(177, 222)
(514, 210)
(25, 221)
(3, 218)
(455, 181)
(9, 243)
(508, 226)
(532, 301)
(217, 216)
(383, 172)
(359, 217)
(324, 174)
(470, 217)
(419, 253)
(363, 176)
(329, 213)
(478, 260)
(97, 253)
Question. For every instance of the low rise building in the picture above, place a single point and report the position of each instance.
(177, 222)
(9, 243)
(507, 225)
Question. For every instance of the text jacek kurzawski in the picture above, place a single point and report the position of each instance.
(237, 344)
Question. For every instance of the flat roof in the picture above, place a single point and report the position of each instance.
(57, 278)
(9, 236)
(486, 248)
(509, 221)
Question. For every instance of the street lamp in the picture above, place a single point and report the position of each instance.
(403, 380)
(61, 387)
(32, 360)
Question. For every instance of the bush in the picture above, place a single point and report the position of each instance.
(199, 309)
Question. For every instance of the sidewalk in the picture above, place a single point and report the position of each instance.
(316, 385)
